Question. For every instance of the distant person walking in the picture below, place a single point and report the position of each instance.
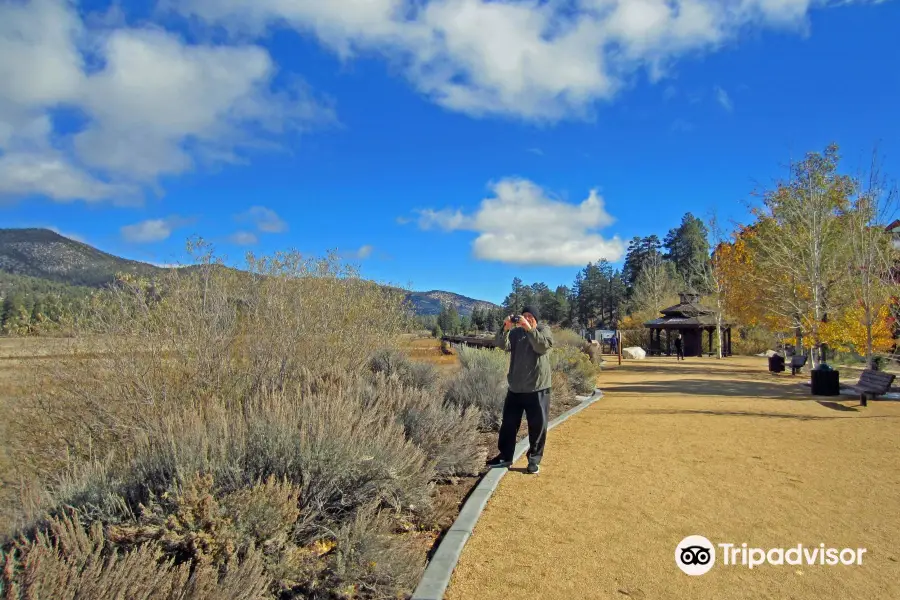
(529, 381)
(679, 347)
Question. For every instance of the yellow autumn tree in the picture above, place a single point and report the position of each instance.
(744, 298)
(849, 331)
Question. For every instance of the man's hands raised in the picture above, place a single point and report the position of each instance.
(523, 322)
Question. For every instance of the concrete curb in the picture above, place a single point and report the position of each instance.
(436, 578)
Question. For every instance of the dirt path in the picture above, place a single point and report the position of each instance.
(714, 448)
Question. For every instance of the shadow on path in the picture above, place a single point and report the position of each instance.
(836, 406)
(744, 413)
(705, 387)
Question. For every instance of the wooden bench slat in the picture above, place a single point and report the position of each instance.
(873, 383)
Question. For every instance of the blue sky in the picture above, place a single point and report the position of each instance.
(453, 146)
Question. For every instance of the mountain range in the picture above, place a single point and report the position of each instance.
(45, 254)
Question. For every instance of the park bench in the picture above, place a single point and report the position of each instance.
(797, 363)
(872, 383)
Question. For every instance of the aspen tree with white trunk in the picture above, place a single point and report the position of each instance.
(801, 250)
(872, 254)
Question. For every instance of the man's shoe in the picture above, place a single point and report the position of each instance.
(533, 469)
(499, 461)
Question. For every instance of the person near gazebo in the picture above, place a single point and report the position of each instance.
(679, 347)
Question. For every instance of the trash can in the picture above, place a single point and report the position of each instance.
(825, 383)
(776, 364)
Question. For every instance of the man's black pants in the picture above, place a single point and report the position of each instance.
(536, 406)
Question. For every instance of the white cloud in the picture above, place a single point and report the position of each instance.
(530, 59)
(522, 224)
(243, 238)
(445, 219)
(724, 99)
(49, 173)
(264, 219)
(535, 151)
(153, 230)
(149, 104)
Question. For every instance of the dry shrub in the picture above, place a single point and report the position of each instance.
(593, 352)
(567, 337)
(214, 419)
(635, 337)
(482, 358)
(562, 393)
(70, 562)
(446, 432)
(581, 372)
(393, 362)
(370, 561)
(146, 349)
(751, 341)
(481, 384)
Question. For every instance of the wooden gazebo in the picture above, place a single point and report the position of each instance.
(690, 320)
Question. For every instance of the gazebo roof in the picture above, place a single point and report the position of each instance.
(688, 307)
(697, 322)
(687, 314)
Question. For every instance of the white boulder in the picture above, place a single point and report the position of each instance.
(634, 353)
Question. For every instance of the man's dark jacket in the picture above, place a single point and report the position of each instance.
(529, 365)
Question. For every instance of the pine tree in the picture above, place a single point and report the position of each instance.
(687, 246)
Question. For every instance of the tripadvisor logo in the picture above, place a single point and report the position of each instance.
(696, 555)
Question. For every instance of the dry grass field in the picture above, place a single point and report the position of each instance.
(721, 449)
(429, 350)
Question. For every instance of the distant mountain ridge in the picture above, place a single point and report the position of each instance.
(45, 254)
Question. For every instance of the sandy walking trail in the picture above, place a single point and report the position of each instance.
(721, 449)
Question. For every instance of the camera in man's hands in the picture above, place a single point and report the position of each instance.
(516, 318)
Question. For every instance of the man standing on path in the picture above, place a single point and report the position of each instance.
(529, 344)
(679, 347)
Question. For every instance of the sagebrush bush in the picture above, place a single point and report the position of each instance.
(222, 422)
(567, 337)
(391, 361)
(581, 372)
(447, 433)
(491, 359)
(145, 349)
(481, 383)
(70, 562)
(562, 393)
